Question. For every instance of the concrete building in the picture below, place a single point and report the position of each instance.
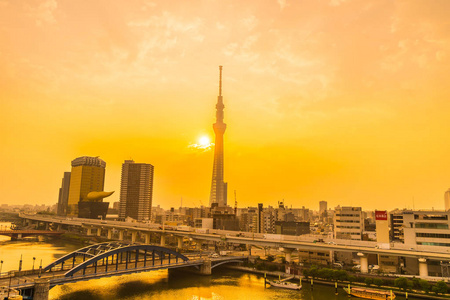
(86, 188)
(63, 199)
(447, 199)
(431, 228)
(218, 195)
(136, 190)
(348, 223)
(323, 206)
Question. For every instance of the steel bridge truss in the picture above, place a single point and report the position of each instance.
(127, 258)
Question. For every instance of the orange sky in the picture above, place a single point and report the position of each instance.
(337, 100)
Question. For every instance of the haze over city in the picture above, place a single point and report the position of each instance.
(342, 101)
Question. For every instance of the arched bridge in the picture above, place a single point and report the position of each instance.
(106, 259)
(111, 259)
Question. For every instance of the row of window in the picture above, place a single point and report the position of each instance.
(348, 221)
(431, 225)
(434, 244)
(433, 235)
(351, 227)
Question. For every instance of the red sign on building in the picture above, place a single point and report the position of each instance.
(381, 215)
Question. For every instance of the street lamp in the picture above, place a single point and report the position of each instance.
(34, 258)
(40, 269)
(1, 266)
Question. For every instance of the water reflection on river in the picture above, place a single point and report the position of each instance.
(223, 284)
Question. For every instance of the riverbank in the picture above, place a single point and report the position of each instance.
(411, 294)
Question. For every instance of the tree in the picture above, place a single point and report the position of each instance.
(368, 281)
(283, 260)
(424, 285)
(402, 283)
(378, 282)
(270, 258)
(440, 287)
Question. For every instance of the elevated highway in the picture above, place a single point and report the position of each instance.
(287, 243)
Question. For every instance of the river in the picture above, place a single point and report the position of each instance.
(223, 284)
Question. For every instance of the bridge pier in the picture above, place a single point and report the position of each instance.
(41, 288)
(120, 235)
(363, 262)
(46, 225)
(109, 234)
(288, 254)
(89, 231)
(331, 257)
(99, 231)
(423, 268)
(58, 228)
(133, 237)
(163, 240)
(147, 238)
(205, 269)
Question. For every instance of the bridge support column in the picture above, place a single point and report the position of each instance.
(41, 289)
(133, 237)
(180, 242)
(249, 248)
(423, 268)
(99, 231)
(205, 269)
(89, 231)
(163, 240)
(109, 234)
(288, 254)
(47, 225)
(58, 228)
(331, 256)
(147, 238)
(363, 262)
(120, 235)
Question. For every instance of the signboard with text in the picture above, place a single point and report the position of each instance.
(381, 215)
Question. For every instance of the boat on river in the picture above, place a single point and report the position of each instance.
(284, 284)
(370, 293)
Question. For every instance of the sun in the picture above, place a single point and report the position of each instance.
(204, 141)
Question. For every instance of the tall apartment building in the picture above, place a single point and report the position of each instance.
(414, 227)
(136, 190)
(88, 175)
(63, 199)
(348, 223)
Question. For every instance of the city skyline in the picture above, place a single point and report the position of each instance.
(337, 101)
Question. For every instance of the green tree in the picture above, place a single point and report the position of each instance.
(402, 283)
(306, 273)
(424, 285)
(378, 282)
(270, 258)
(283, 260)
(440, 287)
(352, 278)
(368, 281)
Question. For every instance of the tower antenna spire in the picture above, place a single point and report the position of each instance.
(220, 80)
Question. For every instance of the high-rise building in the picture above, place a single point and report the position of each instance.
(87, 177)
(136, 190)
(218, 195)
(63, 198)
(447, 199)
(348, 223)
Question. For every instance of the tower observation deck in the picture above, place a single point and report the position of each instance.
(218, 194)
